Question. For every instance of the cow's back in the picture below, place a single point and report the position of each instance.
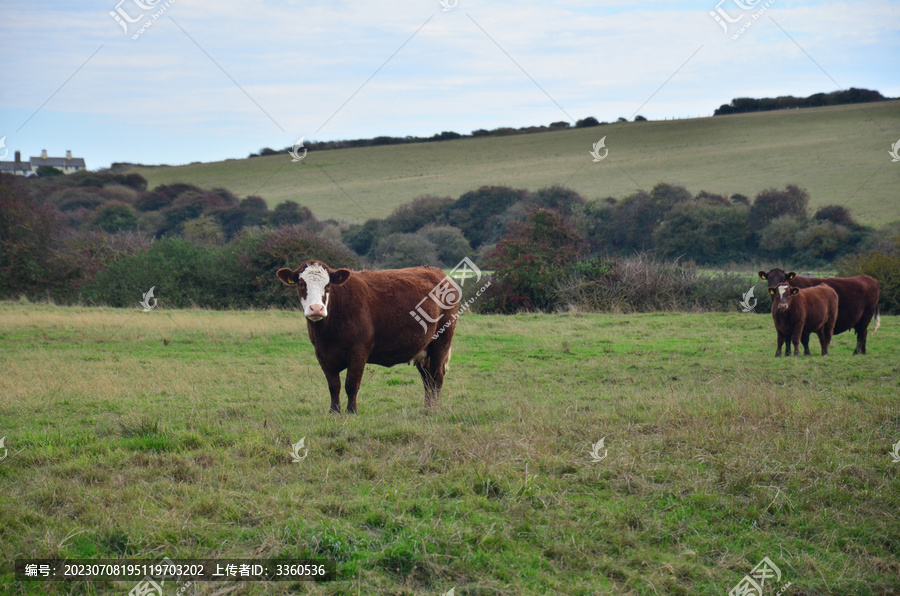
(820, 305)
(393, 301)
(857, 297)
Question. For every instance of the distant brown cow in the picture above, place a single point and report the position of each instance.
(377, 317)
(799, 312)
(857, 300)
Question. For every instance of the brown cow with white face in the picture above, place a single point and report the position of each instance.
(377, 317)
(858, 300)
(798, 313)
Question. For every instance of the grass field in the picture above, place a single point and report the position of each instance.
(840, 154)
(168, 433)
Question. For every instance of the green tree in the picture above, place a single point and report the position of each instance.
(449, 242)
(48, 171)
(705, 233)
(116, 217)
(203, 230)
(405, 250)
(773, 203)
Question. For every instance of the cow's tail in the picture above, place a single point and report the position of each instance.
(877, 318)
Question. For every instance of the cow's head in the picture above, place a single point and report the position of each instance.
(313, 282)
(782, 294)
(777, 276)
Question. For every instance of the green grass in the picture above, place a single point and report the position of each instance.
(840, 154)
(168, 433)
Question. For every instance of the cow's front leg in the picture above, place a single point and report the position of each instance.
(781, 343)
(354, 378)
(334, 388)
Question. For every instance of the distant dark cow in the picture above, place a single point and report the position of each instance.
(377, 317)
(799, 312)
(857, 300)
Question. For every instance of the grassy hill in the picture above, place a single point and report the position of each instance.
(840, 154)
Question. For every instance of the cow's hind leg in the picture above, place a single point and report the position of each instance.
(432, 368)
(354, 378)
(804, 339)
(862, 331)
(823, 340)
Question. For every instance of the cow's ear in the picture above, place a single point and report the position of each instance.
(772, 291)
(791, 275)
(288, 277)
(340, 276)
(795, 291)
(762, 275)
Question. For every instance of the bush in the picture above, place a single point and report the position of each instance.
(558, 198)
(203, 230)
(449, 242)
(705, 233)
(86, 254)
(478, 213)
(884, 266)
(635, 284)
(418, 213)
(362, 239)
(116, 217)
(773, 203)
(530, 260)
(256, 255)
(30, 230)
(184, 275)
(290, 213)
(405, 250)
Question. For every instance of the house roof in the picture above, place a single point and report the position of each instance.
(57, 162)
(11, 166)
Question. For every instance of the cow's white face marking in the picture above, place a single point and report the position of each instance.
(315, 305)
(783, 296)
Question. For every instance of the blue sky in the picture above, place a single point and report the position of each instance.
(215, 80)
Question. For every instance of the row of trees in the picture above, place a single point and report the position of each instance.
(669, 221)
(111, 203)
(96, 237)
(502, 131)
(740, 105)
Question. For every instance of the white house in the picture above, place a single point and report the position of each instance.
(67, 164)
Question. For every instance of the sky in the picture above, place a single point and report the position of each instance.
(207, 81)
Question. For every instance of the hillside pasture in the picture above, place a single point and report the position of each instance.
(169, 433)
(839, 154)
